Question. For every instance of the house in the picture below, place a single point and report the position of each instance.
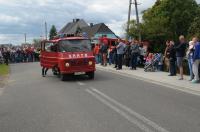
(93, 31)
(73, 27)
(99, 30)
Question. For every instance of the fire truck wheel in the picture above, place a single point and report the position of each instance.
(91, 75)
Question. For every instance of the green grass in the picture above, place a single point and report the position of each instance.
(4, 69)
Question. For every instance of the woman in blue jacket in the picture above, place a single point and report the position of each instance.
(196, 60)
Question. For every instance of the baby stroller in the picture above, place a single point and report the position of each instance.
(151, 65)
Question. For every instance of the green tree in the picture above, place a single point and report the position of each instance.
(170, 17)
(37, 42)
(167, 19)
(53, 32)
(194, 29)
(133, 31)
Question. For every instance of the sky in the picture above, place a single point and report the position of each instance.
(18, 17)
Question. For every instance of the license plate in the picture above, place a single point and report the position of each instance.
(79, 73)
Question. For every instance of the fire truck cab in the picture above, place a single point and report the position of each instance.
(68, 56)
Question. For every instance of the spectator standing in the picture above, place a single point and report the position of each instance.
(96, 53)
(142, 54)
(115, 58)
(166, 55)
(190, 53)
(6, 56)
(104, 50)
(110, 54)
(180, 53)
(1, 56)
(120, 51)
(127, 55)
(134, 54)
(172, 59)
(196, 60)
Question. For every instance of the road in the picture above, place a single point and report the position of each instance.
(109, 103)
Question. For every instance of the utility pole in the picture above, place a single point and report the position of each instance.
(25, 38)
(46, 30)
(129, 17)
(138, 21)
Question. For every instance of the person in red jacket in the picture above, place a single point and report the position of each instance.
(96, 53)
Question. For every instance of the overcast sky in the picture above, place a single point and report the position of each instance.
(28, 16)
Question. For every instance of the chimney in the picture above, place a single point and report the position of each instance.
(91, 24)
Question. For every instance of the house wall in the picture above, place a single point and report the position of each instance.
(109, 35)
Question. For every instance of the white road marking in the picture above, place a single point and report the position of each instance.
(135, 114)
(122, 113)
(178, 88)
(81, 84)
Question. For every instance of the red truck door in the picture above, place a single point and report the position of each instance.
(49, 55)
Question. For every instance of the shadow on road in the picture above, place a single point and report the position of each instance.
(98, 77)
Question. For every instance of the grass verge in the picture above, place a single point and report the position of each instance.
(4, 69)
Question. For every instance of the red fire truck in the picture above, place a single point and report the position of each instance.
(68, 56)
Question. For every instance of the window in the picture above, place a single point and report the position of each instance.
(75, 45)
(48, 46)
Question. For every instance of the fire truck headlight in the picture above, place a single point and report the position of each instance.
(67, 64)
(90, 63)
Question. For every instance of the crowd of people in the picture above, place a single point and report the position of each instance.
(18, 54)
(175, 54)
(132, 54)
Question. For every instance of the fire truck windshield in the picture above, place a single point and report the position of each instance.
(75, 45)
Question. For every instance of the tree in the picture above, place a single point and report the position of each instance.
(170, 17)
(167, 19)
(37, 42)
(133, 30)
(194, 29)
(53, 32)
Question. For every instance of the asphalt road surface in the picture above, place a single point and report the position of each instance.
(109, 103)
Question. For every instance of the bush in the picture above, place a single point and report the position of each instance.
(4, 69)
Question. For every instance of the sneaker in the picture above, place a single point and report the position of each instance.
(180, 79)
(195, 81)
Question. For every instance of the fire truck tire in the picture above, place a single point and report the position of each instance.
(91, 75)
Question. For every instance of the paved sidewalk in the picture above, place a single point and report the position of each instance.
(160, 78)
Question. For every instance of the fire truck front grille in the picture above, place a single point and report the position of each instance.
(79, 62)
